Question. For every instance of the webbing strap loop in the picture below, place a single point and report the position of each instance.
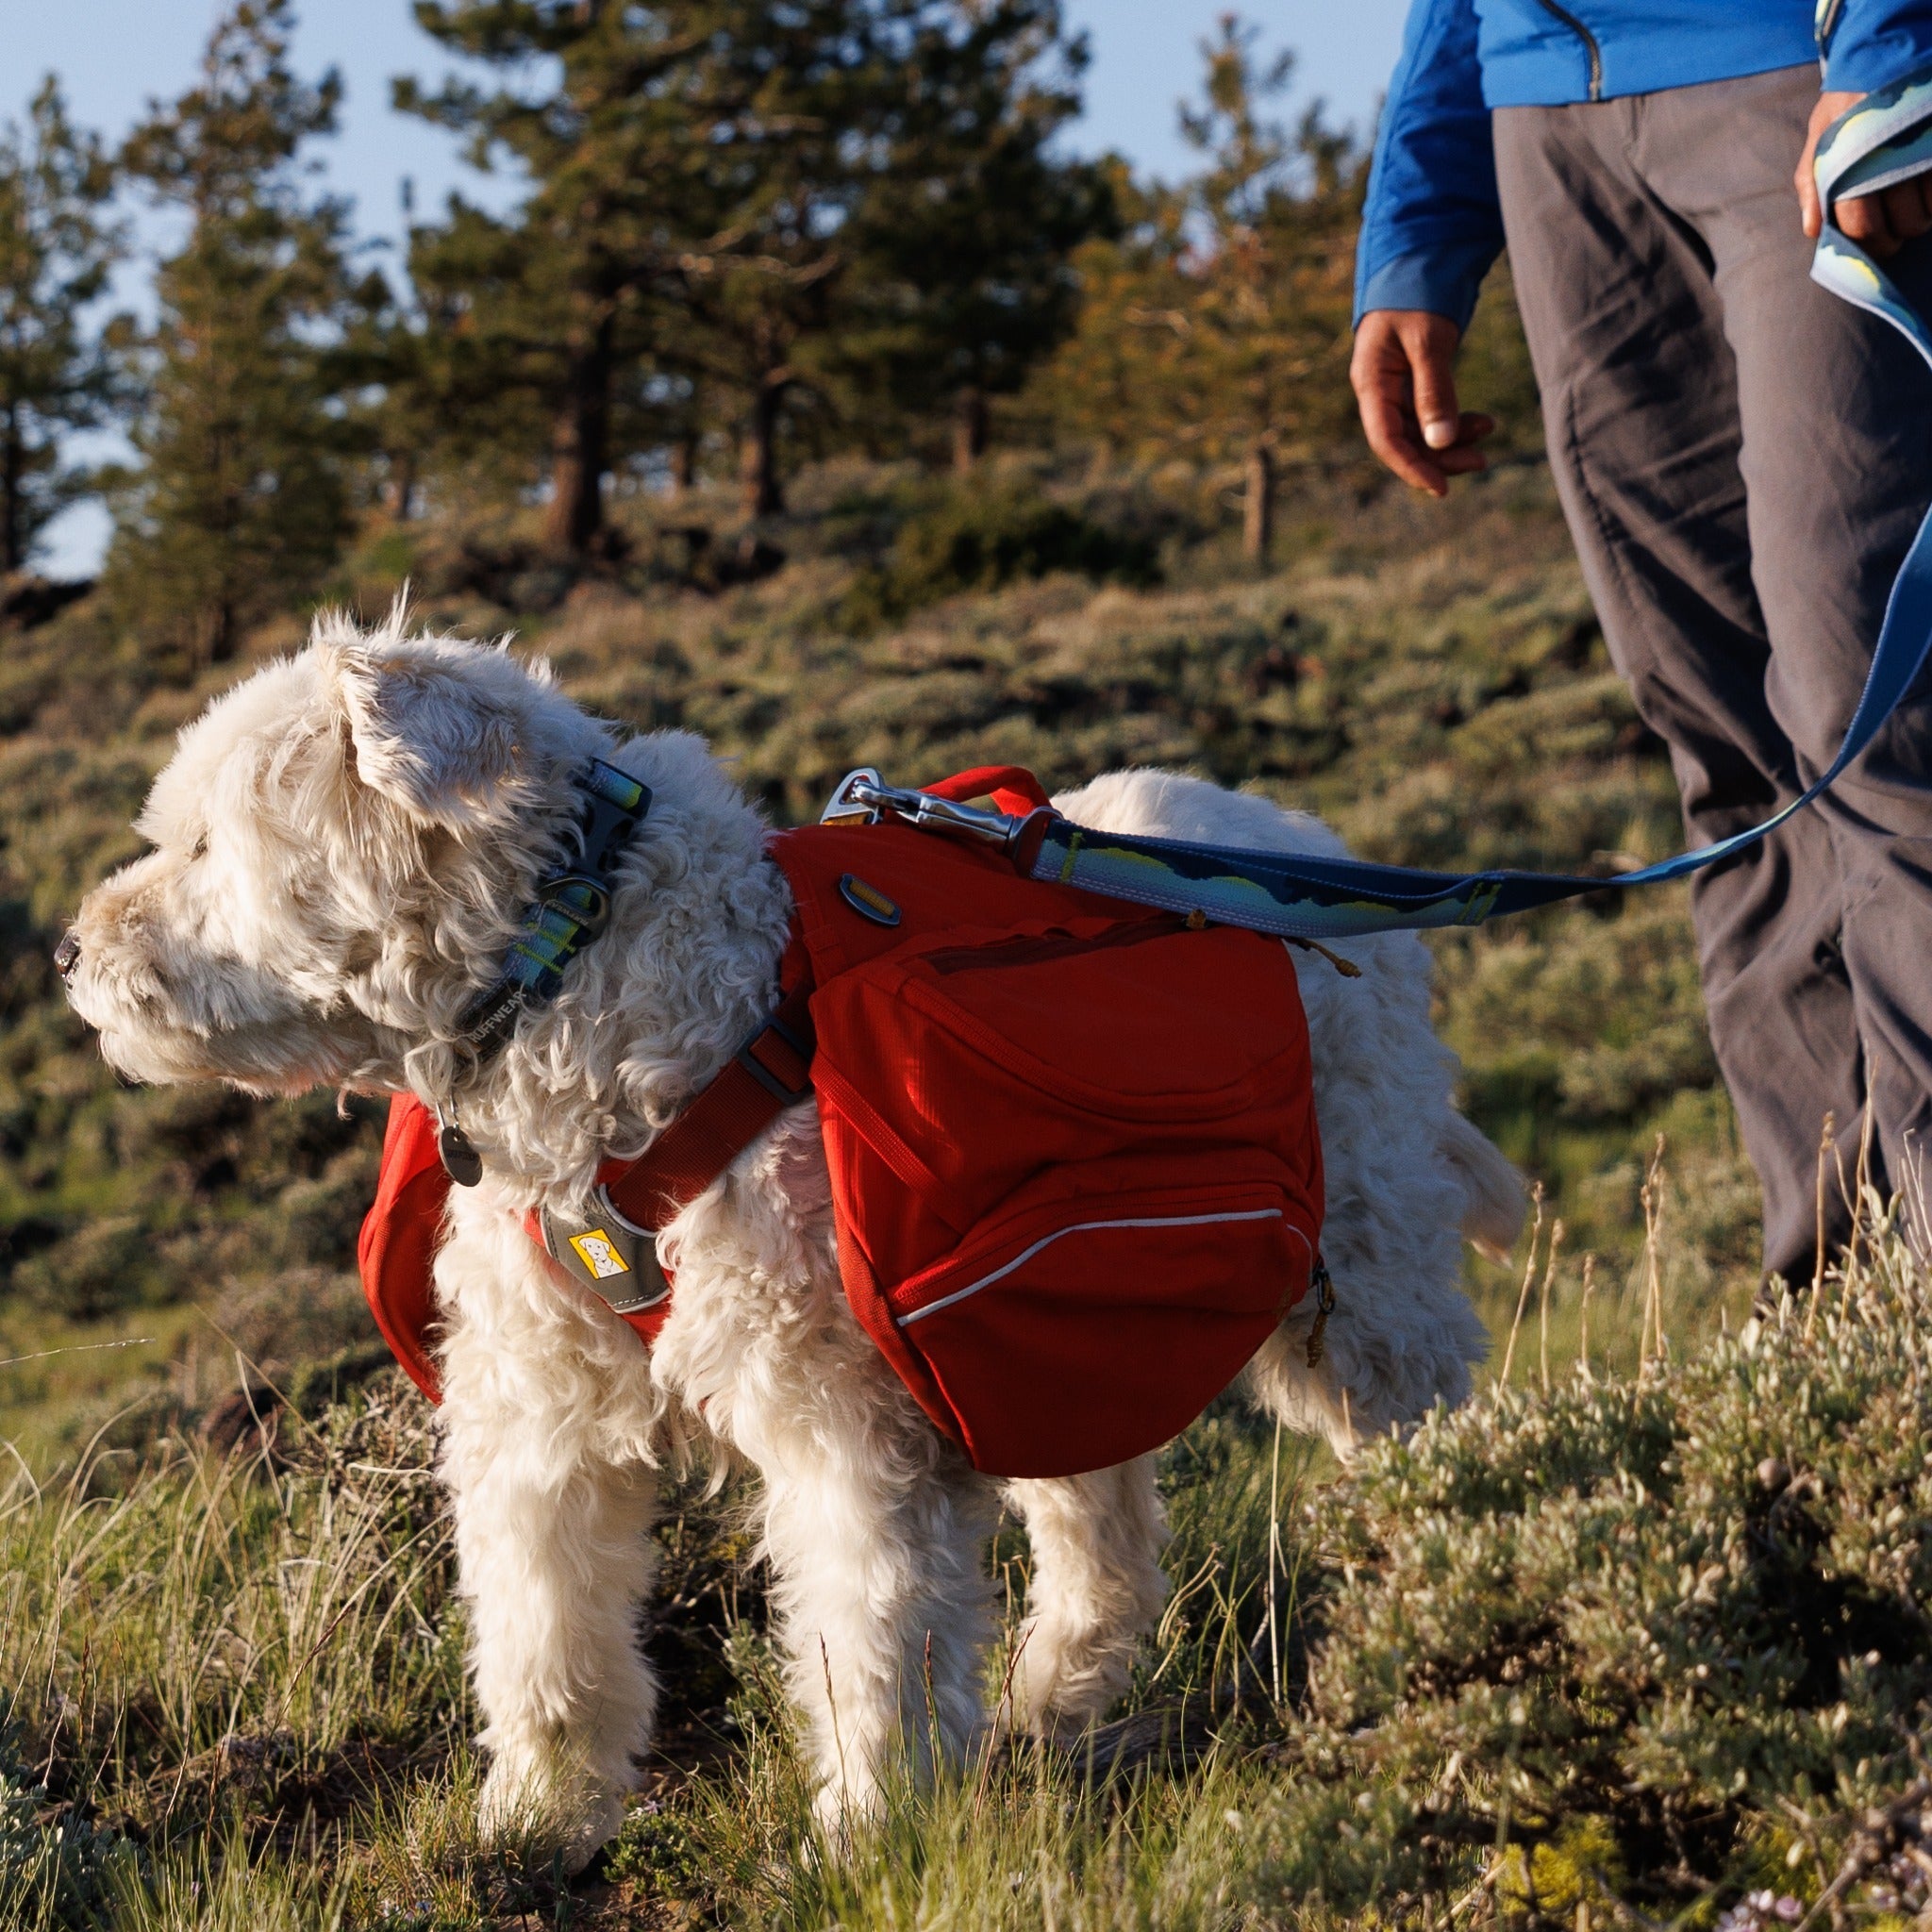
(768, 1077)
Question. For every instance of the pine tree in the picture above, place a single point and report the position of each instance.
(818, 85)
(742, 199)
(240, 505)
(420, 404)
(58, 247)
(964, 239)
(1219, 326)
(636, 158)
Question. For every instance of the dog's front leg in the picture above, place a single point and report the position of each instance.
(883, 1605)
(553, 1513)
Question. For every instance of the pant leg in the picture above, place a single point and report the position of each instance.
(1836, 410)
(1641, 410)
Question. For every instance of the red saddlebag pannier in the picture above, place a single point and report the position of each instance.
(401, 1234)
(1072, 1144)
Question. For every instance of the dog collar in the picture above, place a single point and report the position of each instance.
(573, 907)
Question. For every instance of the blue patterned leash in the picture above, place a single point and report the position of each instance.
(1885, 139)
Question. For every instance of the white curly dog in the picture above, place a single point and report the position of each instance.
(345, 845)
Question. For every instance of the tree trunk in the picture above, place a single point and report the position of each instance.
(758, 469)
(580, 450)
(401, 487)
(217, 639)
(1257, 506)
(13, 469)
(684, 463)
(972, 429)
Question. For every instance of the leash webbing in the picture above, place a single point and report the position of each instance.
(1885, 139)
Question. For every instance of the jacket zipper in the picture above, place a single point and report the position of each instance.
(1590, 45)
(1828, 11)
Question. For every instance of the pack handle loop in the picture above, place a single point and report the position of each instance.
(1012, 788)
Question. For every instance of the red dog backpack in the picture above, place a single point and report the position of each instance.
(1075, 1163)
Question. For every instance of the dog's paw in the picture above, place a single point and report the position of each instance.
(599, 1821)
(1058, 1685)
(524, 1803)
(845, 1806)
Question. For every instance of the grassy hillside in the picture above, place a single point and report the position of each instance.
(1428, 678)
(1602, 1650)
(233, 1688)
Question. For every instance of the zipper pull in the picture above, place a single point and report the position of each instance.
(1325, 1307)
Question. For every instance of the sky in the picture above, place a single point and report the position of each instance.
(113, 56)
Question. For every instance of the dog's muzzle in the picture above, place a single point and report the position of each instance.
(67, 955)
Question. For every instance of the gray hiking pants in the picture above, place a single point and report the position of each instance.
(1743, 460)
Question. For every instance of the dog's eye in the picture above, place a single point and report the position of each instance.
(199, 849)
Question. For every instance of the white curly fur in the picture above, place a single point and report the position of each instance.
(345, 845)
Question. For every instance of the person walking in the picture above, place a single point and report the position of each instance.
(1743, 459)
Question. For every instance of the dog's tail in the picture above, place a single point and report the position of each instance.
(1493, 1213)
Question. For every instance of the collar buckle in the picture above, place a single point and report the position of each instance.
(578, 896)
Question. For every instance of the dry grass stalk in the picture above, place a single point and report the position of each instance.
(1856, 1205)
(1536, 1230)
(1274, 1567)
(1542, 1322)
(1583, 1337)
(1650, 1344)
(1826, 1147)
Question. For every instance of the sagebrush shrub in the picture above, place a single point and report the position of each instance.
(57, 1867)
(985, 539)
(1631, 1638)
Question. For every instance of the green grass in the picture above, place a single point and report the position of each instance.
(231, 1688)
(1653, 1642)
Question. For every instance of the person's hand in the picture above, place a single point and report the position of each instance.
(1881, 223)
(1404, 374)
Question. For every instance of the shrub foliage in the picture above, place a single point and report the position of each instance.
(1641, 1639)
(1633, 1649)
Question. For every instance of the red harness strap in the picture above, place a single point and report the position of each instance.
(617, 1257)
(772, 1072)
(614, 1254)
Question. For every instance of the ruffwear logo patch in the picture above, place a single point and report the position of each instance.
(598, 1253)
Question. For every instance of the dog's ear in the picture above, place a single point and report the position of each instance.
(424, 731)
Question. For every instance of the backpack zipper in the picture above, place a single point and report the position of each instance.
(1023, 950)
(1590, 45)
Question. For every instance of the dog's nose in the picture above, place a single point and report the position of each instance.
(67, 955)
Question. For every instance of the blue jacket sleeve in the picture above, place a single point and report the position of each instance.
(1432, 226)
(1874, 43)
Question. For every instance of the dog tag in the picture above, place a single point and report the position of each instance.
(460, 1160)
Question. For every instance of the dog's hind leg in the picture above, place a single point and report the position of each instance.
(553, 1513)
(1096, 1588)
